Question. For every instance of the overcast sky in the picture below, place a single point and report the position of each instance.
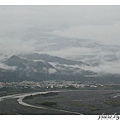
(21, 28)
(100, 23)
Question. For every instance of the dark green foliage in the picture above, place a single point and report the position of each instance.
(49, 104)
(50, 94)
(39, 95)
(28, 97)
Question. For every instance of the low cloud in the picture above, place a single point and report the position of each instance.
(71, 51)
(15, 46)
(52, 71)
(105, 67)
(3, 66)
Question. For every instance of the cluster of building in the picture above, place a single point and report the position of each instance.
(46, 84)
(55, 85)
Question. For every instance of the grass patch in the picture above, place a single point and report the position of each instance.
(92, 108)
(82, 104)
(39, 95)
(113, 102)
(50, 94)
(28, 97)
(49, 104)
(77, 103)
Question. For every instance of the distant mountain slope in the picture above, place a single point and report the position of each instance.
(49, 58)
(38, 69)
(24, 64)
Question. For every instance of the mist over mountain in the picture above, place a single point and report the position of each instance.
(99, 57)
(19, 68)
(39, 69)
(55, 59)
(59, 41)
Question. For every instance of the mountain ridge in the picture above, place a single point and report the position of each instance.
(49, 58)
(41, 70)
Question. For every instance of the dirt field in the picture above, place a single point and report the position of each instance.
(87, 102)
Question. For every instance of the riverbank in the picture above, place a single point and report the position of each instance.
(70, 102)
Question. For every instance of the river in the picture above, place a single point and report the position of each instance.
(21, 97)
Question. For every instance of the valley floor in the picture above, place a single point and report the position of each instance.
(87, 102)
